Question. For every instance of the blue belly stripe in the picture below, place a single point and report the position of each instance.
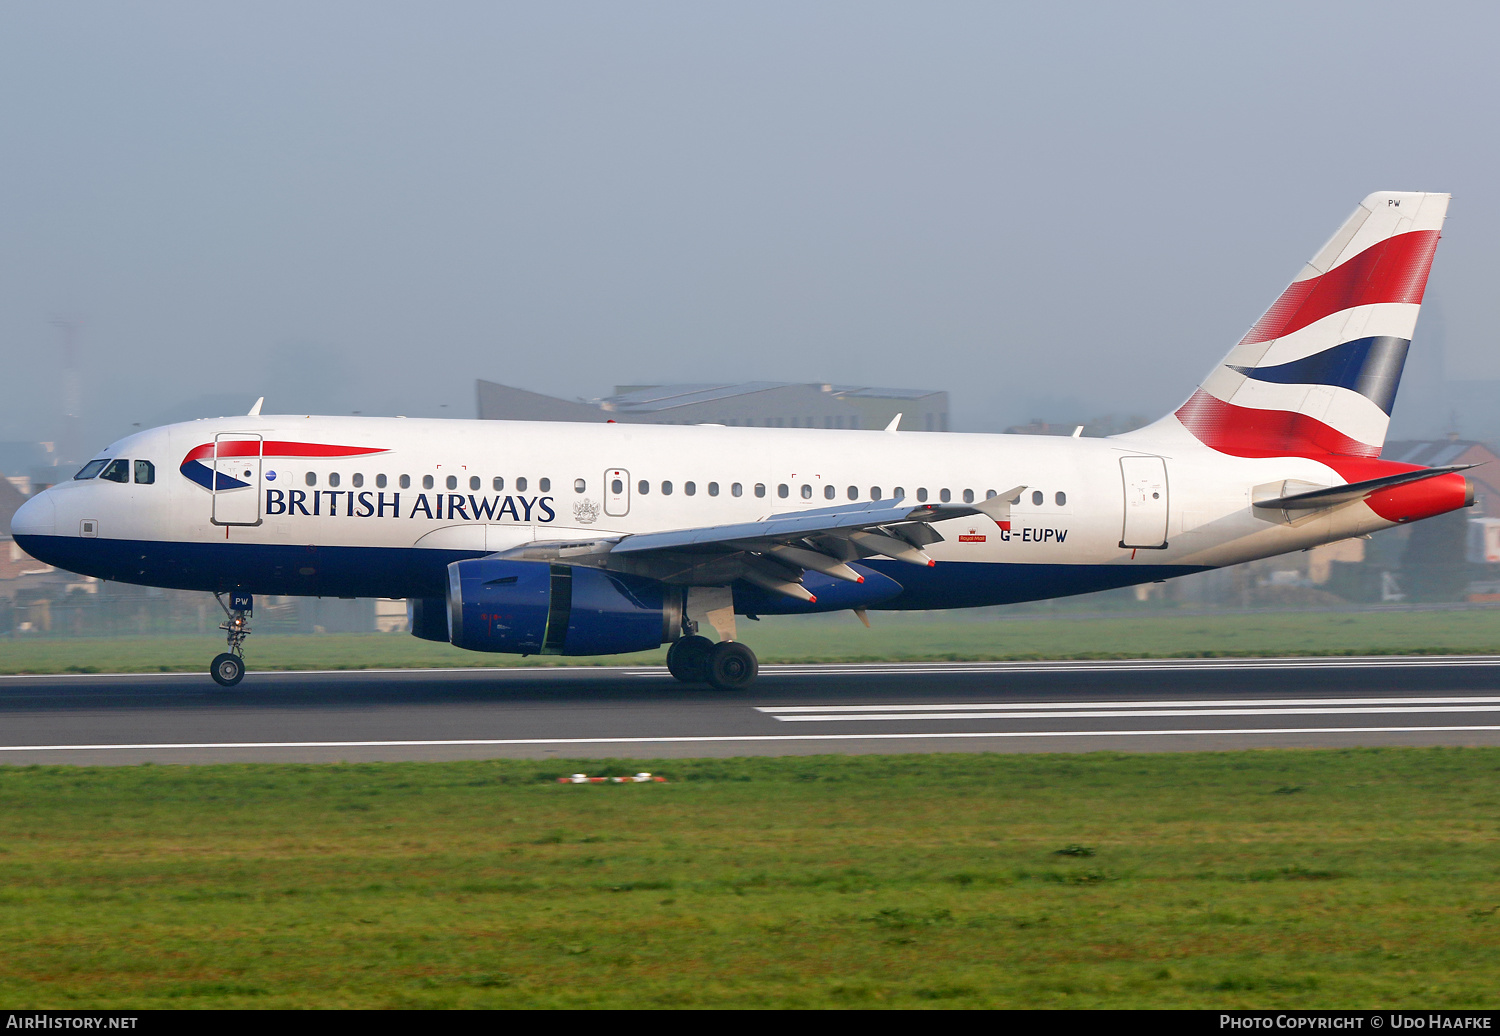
(319, 571)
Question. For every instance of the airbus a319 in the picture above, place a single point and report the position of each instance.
(589, 539)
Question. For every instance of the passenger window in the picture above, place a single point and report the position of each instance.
(521, 485)
(666, 489)
(990, 494)
(643, 487)
(1037, 498)
(579, 485)
(145, 473)
(690, 488)
(736, 490)
(617, 487)
(806, 491)
(311, 479)
(853, 492)
(89, 470)
(426, 481)
(944, 496)
(874, 492)
(544, 485)
(451, 481)
(1016, 499)
(405, 481)
(713, 489)
(357, 480)
(829, 492)
(898, 493)
(380, 481)
(1062, 499)
(333, 478)
(760, 489)
(474, 482)
(498, 483)
(922, 495)
(968, 496)
(782, 491)
(117, 470)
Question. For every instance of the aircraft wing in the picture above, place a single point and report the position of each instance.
(775, 551)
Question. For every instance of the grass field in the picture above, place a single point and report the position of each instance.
(1360, 878)
(959, 636)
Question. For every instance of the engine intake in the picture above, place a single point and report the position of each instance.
(532, 608)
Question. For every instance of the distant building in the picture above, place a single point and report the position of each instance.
(760, 404)
(30, 466)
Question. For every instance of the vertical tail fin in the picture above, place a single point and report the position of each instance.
(1318, 373)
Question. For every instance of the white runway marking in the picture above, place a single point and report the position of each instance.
(524, 741)
(1119, 709)
(1121, 666)
(1174, 703)
(1118, 713)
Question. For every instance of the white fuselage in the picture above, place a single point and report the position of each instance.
(469, 488)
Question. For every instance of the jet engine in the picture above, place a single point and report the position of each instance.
(533, 608)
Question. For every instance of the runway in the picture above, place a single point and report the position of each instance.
(1175, 705)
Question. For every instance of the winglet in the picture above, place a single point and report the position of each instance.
(895, 422)
(255, 410)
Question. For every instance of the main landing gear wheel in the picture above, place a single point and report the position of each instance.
(687, 659)
(227, 670)
(731, 666)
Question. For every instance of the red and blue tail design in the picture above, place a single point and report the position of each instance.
(194, 468)
(1318, 373)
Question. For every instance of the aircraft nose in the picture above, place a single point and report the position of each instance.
(36, 517)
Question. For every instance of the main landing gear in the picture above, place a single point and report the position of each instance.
(228, 668)
(727, 665)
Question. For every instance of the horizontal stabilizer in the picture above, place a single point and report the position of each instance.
(1316, 498)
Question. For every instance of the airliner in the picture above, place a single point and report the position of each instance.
(589, 539)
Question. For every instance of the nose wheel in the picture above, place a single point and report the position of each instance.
(228, 668)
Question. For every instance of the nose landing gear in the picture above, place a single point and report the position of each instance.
(228, 668)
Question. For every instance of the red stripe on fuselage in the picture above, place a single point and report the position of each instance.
(272, 448)
(1393, 270)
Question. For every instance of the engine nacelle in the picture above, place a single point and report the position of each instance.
(533, 608)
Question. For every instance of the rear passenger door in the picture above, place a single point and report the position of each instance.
(1145, 481)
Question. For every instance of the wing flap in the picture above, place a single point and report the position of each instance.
(776, 551)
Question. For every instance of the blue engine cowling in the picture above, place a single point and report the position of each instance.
(533, 608)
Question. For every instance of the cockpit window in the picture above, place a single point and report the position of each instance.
(90, 469)
(145, 473)
(117, 470)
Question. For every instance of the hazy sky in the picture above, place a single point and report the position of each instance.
(1049, 210)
